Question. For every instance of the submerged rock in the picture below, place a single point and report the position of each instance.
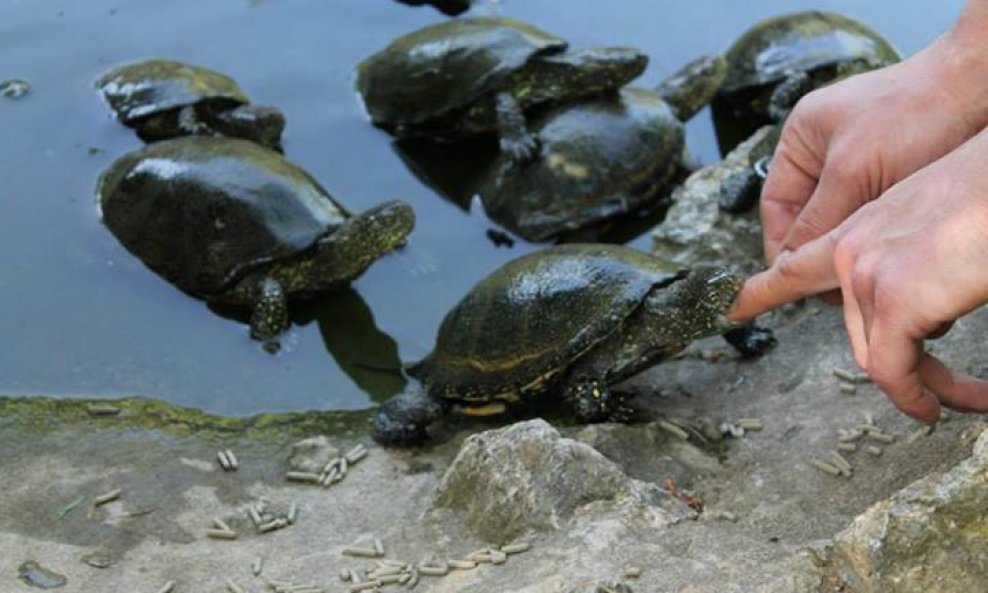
(528, 477)
(930, 536)
(700, 226)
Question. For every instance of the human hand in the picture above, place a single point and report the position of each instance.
(846, 144)
(907, 265)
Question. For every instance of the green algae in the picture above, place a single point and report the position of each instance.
(45, 413)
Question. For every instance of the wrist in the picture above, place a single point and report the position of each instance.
(960, 65)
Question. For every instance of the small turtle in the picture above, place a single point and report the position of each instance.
(780, 59)
(164, 99)
(475, 75)
(230, 221)
(570, 320)
(599, 157)
(447, 7)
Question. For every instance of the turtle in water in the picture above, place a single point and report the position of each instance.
(599, 157)
(447, 7)
(477, 75)
(230, 221)
(780, 59)
(570, 320)
(164, 99)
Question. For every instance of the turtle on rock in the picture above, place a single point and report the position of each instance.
(476, 75)
(164, 99)
(230, 221)
(569, 321)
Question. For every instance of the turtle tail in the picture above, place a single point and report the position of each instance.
(404, 419)
(363, 239)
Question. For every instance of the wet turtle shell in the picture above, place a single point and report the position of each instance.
(825, 46)
(203, 212)
(141, 89)
(599, 158)
(444, 68)
(526, 322)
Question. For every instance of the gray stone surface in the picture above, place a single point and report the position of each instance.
(696, 230)
(312, 454)
(931, 536)
(527, 477)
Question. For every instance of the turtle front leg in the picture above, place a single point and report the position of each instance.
(269, 316)
(516, 141)
(750, 340)
(404, 419)
(592, 401)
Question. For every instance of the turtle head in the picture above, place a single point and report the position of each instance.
(404, 419)
(597, 69)
(701, 298)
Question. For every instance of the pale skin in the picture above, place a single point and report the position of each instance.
(878, 193)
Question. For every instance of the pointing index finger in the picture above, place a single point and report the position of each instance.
(795, 274)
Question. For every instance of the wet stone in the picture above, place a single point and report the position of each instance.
(35, 575)
(14, 88)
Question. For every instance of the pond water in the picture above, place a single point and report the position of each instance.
(80, 316)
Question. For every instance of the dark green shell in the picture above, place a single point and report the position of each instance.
(801, 41)
(145, 88)
(536, 314)
(446, 67)
(598, 158)
(202, 212)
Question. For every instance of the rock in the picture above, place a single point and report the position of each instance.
(600, 587)
(312, 454)
(697, 229)
(528, 477)
(930, 536)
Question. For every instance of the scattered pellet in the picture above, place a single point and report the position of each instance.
(257, 566)
(233, 587)
(356, 454)
(462, 564)
(868, 428)
(824, 467)
(234, 463)
(360, 552)
(922, 432)
(881, 437)
(673, 429)
(389, 578)
(379, 546)
(302, 477)
(356, 588)
(498, 557)
(433, 570)
(384, 571)
(479, 558)
(292, 515)
(108, 497)
(874, 450)
(749, 423)
(849, 447)
(413, 578)
(632, 572)
(848, 388)
(343, 466)
(223, 460)
(102, 410)
(167, 587)
(220, 524)
(255, 516)
(724, 515)
(847, 436)
(844, 375)
(404, 578)
(272, 525)
(393, 563)
(841, 463)
(869, 418)
(221, 534)
(516, 548)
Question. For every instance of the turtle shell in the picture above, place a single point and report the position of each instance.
(599, 158)
(202, 212)
(532, 317)
(145, 88)
(801, 41)
(445, 67)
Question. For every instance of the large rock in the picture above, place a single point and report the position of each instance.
(698, 230)
(528, 477)
(930, 536)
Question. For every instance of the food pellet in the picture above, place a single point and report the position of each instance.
(302, 477)
(824, 467)
(360, 552)
(632, 572)
(167, 587)
(356, 454)
(379, 546)
(844, 375)
(365, 585)
(292, 513)
(233, 587)
(874, 450)
(673, 429)
(462, 564)
(516, 548)
(234, 464)
(749, 423)
(257, 566)
(108, 497)
(850, 447)
(433, 571)
(848, 388)
(221, 534)
(223, 460)
(881, 437)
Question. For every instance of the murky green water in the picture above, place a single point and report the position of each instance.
(79, 315)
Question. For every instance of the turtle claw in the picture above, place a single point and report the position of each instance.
(521, 150)
(750, 340)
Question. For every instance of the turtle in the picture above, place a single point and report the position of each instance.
(447, 7)
(475, 75)
(232, 222)
(164, 99)
(599, 157)
(569, 320)
(780, 59)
